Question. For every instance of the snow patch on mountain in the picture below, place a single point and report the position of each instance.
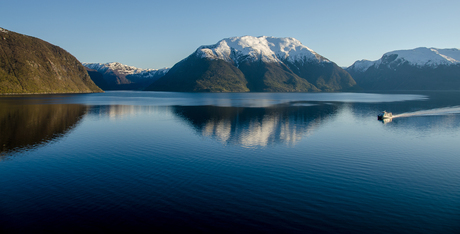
(420, 57)
(125, 69)
(361, 65)
(425, 57)
(450, 53)
(267, 49)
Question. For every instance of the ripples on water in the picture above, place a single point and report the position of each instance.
(142, 161)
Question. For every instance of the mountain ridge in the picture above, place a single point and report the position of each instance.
(416, 69)
(268, 49)
(421, 56)
(124, 77)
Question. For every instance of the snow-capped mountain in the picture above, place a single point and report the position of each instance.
(421, 68)
(267, 49)
(261, 64)
(125, 70)
(419, 57)
(360, 65)
(120, 76)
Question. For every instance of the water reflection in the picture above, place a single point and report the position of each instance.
(385, 121)
(28, 126)
(115, 112)
(241, 119)
(247, 127)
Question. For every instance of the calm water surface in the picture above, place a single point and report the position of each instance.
(258, 162)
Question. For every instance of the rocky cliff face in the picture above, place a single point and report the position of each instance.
(31, 65)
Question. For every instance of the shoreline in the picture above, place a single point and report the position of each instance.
(15, 94)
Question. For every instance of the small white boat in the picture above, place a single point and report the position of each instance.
(384, 115)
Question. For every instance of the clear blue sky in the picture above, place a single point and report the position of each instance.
(156, 34)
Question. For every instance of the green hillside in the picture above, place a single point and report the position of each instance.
(31, 65)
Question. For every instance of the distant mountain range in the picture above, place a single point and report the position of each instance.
(236, 64)
(31, 65)
(256, 64)
(417, 69)
(268, 64)
(117, 76)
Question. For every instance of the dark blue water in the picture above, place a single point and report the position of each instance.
(251, 162)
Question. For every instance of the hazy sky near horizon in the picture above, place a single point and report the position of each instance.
(157, 34)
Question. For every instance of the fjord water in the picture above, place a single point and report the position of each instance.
(216, 162)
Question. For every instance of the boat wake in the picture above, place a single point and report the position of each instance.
(437, 111)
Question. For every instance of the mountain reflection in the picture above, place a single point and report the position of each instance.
(27, 126)
(256, 126)
(122, 111)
